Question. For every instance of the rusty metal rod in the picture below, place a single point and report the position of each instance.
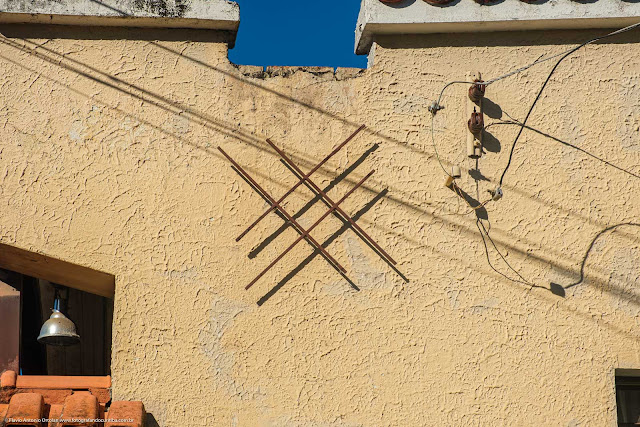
(327, 213)
(301, 230)
(326, 159)
(328, 199)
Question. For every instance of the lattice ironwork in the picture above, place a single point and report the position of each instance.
(334, 208)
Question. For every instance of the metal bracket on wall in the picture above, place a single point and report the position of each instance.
(475, 124)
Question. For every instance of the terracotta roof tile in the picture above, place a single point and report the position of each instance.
(79, 406)
(54, 414)
(3, 412)
(24, 408)
(63, 399)
(126, 411)
(8, 379)
(72, 382)
(50, 396)
(102, 394)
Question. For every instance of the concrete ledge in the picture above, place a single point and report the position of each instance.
(419, 17)
(203, 14)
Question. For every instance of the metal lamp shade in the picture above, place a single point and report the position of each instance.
(58, 330)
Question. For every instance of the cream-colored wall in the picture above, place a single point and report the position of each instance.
(108, 160)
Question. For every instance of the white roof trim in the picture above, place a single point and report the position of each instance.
(206, 14)
(419, 17)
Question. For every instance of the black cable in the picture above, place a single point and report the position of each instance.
(553, 138)
(593, 242)
(486, 252)
(523, 280)
(524, 122)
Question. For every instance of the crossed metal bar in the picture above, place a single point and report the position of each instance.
(333, 208)
(301, 230)
(331, 202)
(304, 177)
(306, 233)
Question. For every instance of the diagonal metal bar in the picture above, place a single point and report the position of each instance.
(306, 176)
(328, 199)
(266, 241)
(301, 230)
(286, 224)
(327, 213)
(346, 225)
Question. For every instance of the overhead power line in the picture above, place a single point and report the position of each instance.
(437, 106)
(566, 54)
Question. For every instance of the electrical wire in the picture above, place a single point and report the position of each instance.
(435, 149)
(590, 248)
(437, 105)
(458, 191)
(553, 138)
(486, 250)
(564, 56)
(455, 187)
(504, 76)
(537, 61)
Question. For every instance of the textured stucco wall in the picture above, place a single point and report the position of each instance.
(108, 160)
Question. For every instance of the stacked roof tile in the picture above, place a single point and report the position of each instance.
(56, 401)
